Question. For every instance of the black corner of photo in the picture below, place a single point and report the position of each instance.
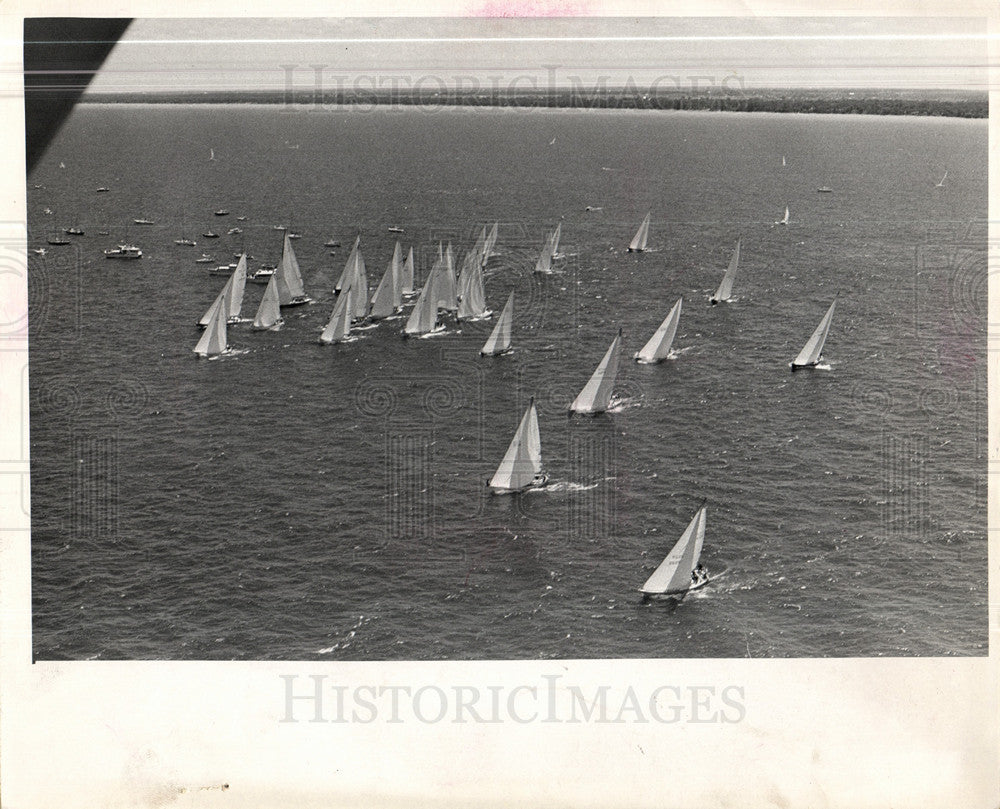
(61, 56)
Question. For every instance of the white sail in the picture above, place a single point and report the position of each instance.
(596, 394)
(289, 279)
(407, 281)
(445, 289)
(423, 318)
(491, 241)
(396, 267)
(360, 285)
(522, 464)
(347, 274)
(638, 243)
(269, 311)
(726, 287)
(554, 240)
(813, 350)
(659, 344)
(239, 282)
(499, 339)
(472, 302)
(220, 302)
(213, 341)
(544, 263)
(382, 300)
(674, 573)
(339, 326)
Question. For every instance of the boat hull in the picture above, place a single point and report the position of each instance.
(538, 483)
(299, 301)
(795, 367)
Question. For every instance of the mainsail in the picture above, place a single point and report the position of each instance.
(596, 394)
(638, 243)
(726, 287)
(396, 267)
(269, 312)
(347, 274)
(659, 344)
(423, 318)
(673, 576)
(220, 302)
(521, 467)
(813, 350)
(382, 300)
(289, 279)
(239, 282)
(339, 326)
(443, 273)
(491, 241)
(407, 279)
(499, 339)
(213, 341)
(554, 240)
(472, 295)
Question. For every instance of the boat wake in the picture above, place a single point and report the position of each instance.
(345, 642)
(559, 486)
(618, 405)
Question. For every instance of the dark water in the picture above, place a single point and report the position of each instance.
(298, 501)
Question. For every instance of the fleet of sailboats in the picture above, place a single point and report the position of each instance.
(521, 467)
(812, 352)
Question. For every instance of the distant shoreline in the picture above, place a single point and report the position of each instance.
(938, 103)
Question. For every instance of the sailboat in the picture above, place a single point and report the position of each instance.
(218, 303)
(783, 221)
(596, 394)
(213, 341)
(658, 347)
(238, 282)
(638, 243)
(554, 241)
(941, 184)
(347, 274)
(339, 328)
(812, 351)
(472, 295)
(491, 241)
(726, 287)
(386, 301)
(680, 572)
(499, 339)
(544, 262)
(269, 312)
(443, 273)
(288, 278)
(521, 467)
(407, 279)
(423, 318)
(396, 266)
